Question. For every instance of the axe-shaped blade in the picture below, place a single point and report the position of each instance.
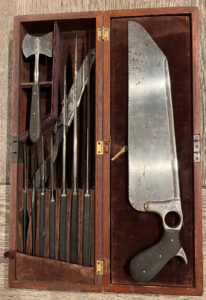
(35, 45)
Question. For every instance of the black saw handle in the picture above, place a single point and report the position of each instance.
(147, 264)
(35, 115)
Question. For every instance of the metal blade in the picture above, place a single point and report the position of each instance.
(37, 44)
(81, 82)
(153, 172)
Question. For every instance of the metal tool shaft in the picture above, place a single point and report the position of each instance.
(74, 200)
(36, 68)
(25, 211)
(34, 204)
(64, 139)
(86, 238)
(52, 210)
(88, 131)
(75, 145)
(63, 200)
(42, 207)
(33, 219)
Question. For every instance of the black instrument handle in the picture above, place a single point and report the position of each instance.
(42, 225)
(33, 217)
(25, 222)
(63, 228)
(52, 228)
(35, 114)
(86, 239)
(147, 264)
(74, 229)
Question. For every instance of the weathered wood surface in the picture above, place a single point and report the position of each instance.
(8, 10)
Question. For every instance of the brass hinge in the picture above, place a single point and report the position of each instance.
(197, 156)
(103, 34)
(102, 147)
(100, 267)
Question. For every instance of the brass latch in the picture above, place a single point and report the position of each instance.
(197, 157)
(103, 34)
(102, 147)
(100, 267)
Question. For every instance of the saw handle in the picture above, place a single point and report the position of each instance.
(147, 264)
(35, 115)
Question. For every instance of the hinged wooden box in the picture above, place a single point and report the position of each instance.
(118, 231)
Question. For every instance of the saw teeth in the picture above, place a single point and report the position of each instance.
(143, 55)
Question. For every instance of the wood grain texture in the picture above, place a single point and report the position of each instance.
(6, 293)
(8, 10)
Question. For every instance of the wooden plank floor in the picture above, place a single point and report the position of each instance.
(8, 10)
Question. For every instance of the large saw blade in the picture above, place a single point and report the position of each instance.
(153, 172)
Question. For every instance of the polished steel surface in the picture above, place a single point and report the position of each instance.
(75, 145)
(153, 170)
(64, 140)
(81, 81)
(78, 88)
(88, 128)
(37, 45)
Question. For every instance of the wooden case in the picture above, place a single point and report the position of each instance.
(119, 231)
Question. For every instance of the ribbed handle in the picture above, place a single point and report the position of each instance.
(63, 228)
(25, 222)
(86, 240)
(34, 218)
(52, 229)
(42, 225)
(74, 230)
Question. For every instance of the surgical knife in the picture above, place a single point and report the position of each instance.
(52, 209)
(42, 207)
(86, 239)
(74, 198)
(63, 200)
(25, 211)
